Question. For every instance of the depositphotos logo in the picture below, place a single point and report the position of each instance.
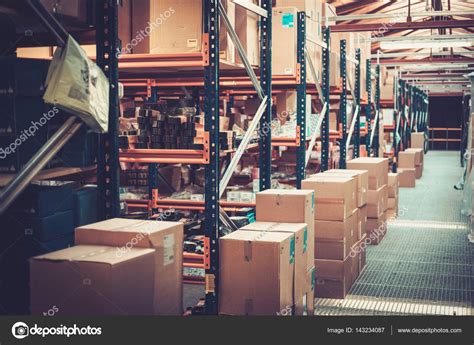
(21, 330)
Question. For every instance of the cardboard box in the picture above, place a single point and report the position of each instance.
(407, 159)
(420, 155)
(337, 230)
(300, 232)
(377, 228)
(419, 171)
(362, 180)
(407, 178)
(334, 197)
(227, 49)
(392, 203)
(392, 214)
(334, 278)
(175, 26)
(246, 27)
(393, 185)
(288, 206)
(417, 140)
(310, 285)
(377, 168)
(361, 249)
(167, 240)
(377, 201)
(93, 280)
(355, 263)
(362, 222)
(286, 103)
(256, 273)
(284, 24)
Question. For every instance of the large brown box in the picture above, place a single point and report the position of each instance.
(377, 168)
(334, 196)
(418, 140)
(362, 179)
(300, 232)
(407, 178)
(93, 280)
(334, 278)
(361, 249)
(325, 230)
(256, 273)
(420, 155)
(176, 26)
(377, 201)
(246, 27)
(419, 171)
(407, 159)
(167, 240)
(288, 206)
(393, 185)
(377, 228)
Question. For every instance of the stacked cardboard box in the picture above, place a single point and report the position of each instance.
(377, 195)
(336, 227)
(419, 160)
(300, 258)
(125, 266)
(291, 206)
(362, 180)
(284, 23)
(257, 271)
(393, 188)
(417, 140)
(407, 168)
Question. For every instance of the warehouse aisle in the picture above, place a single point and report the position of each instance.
(425, 264)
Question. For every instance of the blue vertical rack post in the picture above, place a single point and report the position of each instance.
(301, 100)
(376, 143)
(153, 167)
(357, 103)
(265, 159)
(368, 108)
(326, 92)
(343, 105)
(211, 125)
(108, 49)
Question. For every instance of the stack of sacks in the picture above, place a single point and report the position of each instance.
(393, 187)
(118, 267)
(336, 227)
(292, 206)
(407, 169)
(377, 195)
(248, 286)
(419, 158)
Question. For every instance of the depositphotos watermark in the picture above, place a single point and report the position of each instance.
(28, 133)
(146, 32)
(21, 330)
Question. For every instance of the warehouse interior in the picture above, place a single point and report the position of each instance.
(236, 157)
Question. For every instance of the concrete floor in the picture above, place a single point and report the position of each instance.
(425, 264)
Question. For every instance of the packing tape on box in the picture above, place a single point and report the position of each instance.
(329, 201)
(248, 251)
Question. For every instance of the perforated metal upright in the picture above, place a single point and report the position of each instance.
(368, 108)
(301, 100)
(265, 160)
(108, 168)
(211, 125)
(153, 167)
(343, 105)
(376, 143)
(357, 103)
(326, 92)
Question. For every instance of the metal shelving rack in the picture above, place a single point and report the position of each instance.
(326, 95)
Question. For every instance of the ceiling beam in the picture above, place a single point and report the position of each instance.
(387, 26)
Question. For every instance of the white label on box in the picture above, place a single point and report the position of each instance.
(168, 250)
(197, 197)
(256, 185)
(246, 197)
(289, 70)
(192, 43)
